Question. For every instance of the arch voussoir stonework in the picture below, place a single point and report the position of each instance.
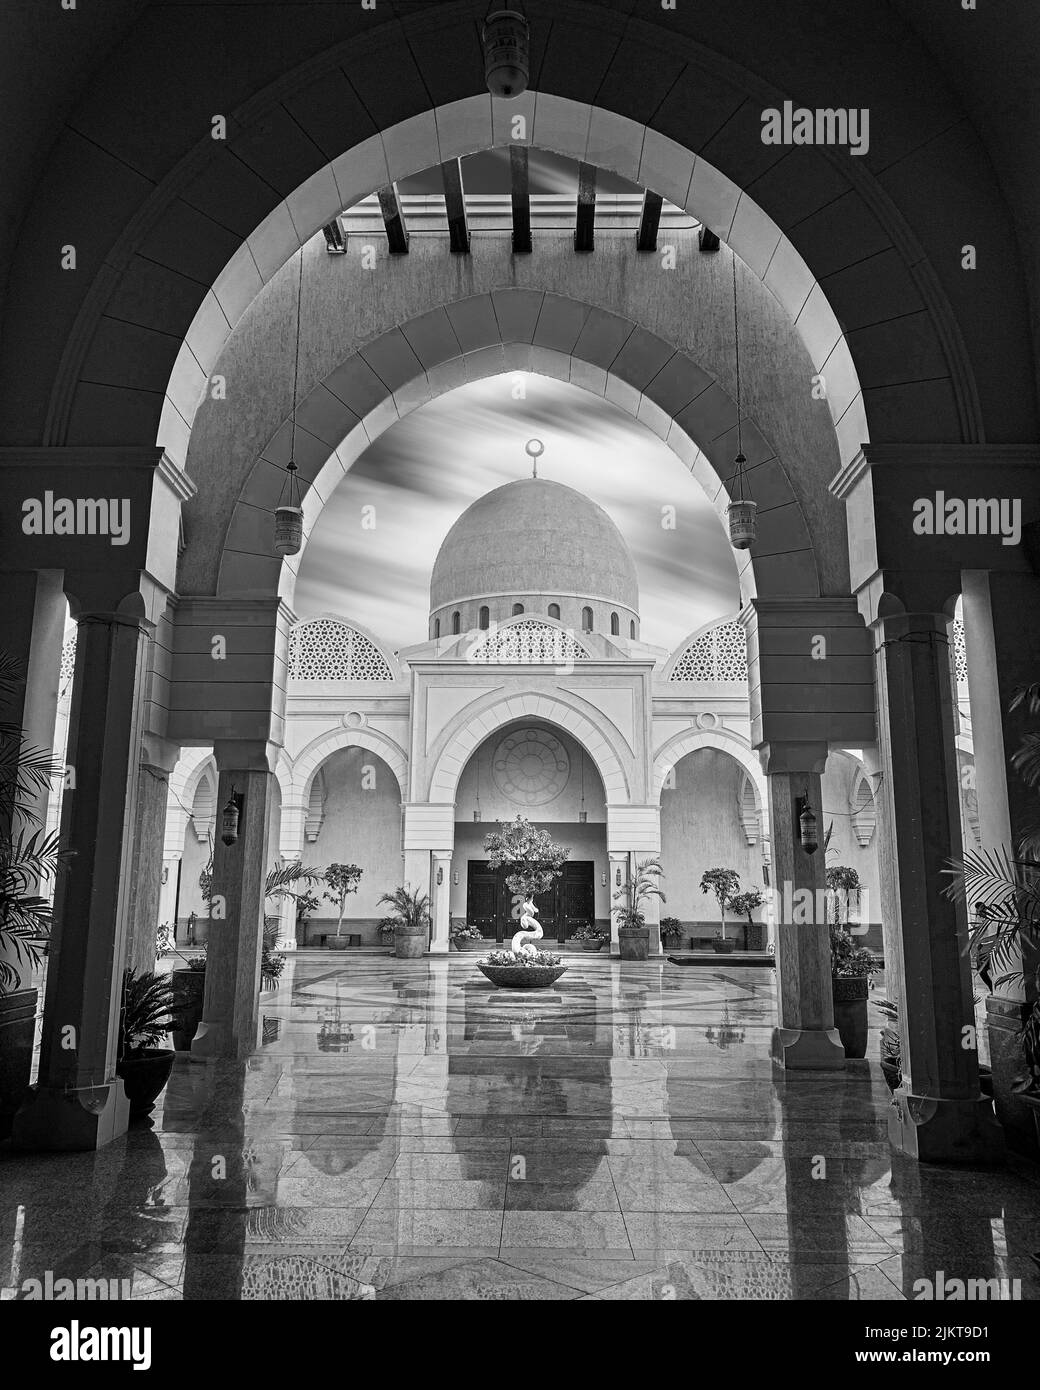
(308, 761)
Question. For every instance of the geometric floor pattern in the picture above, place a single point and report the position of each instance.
(405, 1131)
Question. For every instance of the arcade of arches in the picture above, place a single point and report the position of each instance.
(190, 674)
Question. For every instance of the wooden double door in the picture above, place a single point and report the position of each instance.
(569, 903)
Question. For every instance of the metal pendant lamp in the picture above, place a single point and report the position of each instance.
(741, 513)
(506, 38)
(288, 516)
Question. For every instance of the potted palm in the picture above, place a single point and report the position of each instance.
(722, 884)
(29, 859)
(467, 938)
(342, 880)
(411, 917)
(671, 932)
(744, 904)
(385, 928)
(149, 1011)
(633, 933)
(851, 969)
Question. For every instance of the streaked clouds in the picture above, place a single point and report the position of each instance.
(426, 469)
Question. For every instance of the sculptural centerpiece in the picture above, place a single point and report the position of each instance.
(534, 861)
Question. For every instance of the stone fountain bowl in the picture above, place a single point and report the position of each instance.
(522, 976)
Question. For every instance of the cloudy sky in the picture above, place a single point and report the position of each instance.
(426, 469)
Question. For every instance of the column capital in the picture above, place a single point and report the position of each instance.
(796, 759)
(245, 755)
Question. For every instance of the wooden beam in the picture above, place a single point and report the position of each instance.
(393, 220)
(455, 205)
(521, 199)
(585, 226)
(707, 240)
(649, 222)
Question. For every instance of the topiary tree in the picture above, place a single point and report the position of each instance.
(744, 904)
(534, 859)
(722, 884)
(342, 880)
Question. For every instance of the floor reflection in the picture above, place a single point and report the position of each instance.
(407, 1131)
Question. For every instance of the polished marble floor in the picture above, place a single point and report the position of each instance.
(405, 1131)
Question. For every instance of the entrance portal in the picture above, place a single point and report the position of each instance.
(569, 903)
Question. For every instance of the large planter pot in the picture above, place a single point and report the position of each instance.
(469, 943)
(410, 942)
(144, 1076)
(1034, 1104)
(634, 943)
(522, 976)
(191, 986)
(17, 1021)
(850, 1012)
(596, 945)
(723, 947)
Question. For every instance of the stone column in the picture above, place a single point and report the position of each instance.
(1002, 645)
(806, 1038)
(78, 1103)
(157, 761)
(168, 879)
(440, 942)
(230, 1011)
(940, 1114)
(291, 850)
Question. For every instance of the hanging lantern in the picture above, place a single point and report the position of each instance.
(229, 820)
(807, 827)
(288, 517)
(741, 512)
(507, 53)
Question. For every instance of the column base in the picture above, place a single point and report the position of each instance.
(946, 1131)
(439, 948)
(807, 1049)
(52, 1118)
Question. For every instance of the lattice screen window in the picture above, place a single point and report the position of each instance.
(720, 654)
(68, 663)
(959, 653)
(327, 650)
(528, 641)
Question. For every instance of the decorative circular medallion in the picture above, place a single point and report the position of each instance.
(530, 767)
(353, 720)
(708, 720)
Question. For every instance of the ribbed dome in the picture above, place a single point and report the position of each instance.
(534, 536)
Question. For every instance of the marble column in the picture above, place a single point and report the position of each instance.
(440, 941)
(157, 761)
(806, 1038)
(230, 1010)
(1002, 645)
(78, 1102)
(939, 1113)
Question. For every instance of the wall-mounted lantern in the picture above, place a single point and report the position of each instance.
(440, 874)
(455, 878)
(230, 818)
(741, 513)
(807, 833)
(506, 37)
(617, 875)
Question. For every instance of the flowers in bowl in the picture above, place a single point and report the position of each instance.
(526, 958)
(587, 933)
(466, 932)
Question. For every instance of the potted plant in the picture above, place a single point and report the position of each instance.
(535, 861)
(385, 928)
(29, 858)
(744, 904)
(307, 904)
(189, 981)
(722, 884)
(671, 932)
(633, 933)
(466, 938)
(272, 962)
(149, 1011)
(587, 938)
(342, 880)
(851, 969)
(411, 918)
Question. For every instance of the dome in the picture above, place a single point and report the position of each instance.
(534, 536)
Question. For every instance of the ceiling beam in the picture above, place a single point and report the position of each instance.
(707, 240)
(649, 222)
(585, 226)
(393, 220)
(521, 199)
(455, 205)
